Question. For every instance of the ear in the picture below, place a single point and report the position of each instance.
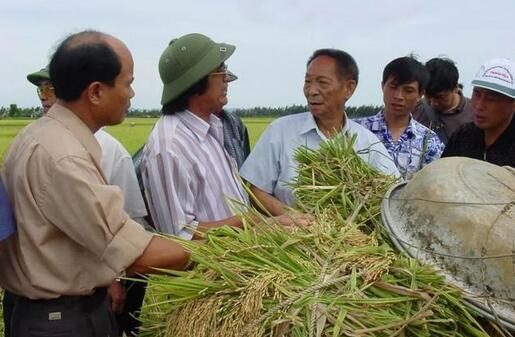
(95, 91)
(350, 86)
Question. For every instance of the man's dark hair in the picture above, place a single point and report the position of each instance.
(81, 59)
(345, 63)
(181, 102)
(405, 70)
(444, 75)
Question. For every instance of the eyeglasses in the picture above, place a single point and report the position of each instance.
(45, 91)
(222, 70)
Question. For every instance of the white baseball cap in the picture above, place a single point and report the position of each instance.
(497, 75)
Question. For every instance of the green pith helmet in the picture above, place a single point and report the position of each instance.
(187, 60)
(38, 76)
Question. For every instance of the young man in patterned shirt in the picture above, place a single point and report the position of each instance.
(409, 143)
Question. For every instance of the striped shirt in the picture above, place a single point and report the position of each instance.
(187, 173)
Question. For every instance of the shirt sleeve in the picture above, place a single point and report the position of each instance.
(94, 217)
(434, 149)
(262, 166)
(171, 194)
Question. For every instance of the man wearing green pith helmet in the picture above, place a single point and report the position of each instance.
(187, 173)
(45, 90)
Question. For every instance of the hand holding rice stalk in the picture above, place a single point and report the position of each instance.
(338, 277)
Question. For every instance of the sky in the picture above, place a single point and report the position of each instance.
(273, 39)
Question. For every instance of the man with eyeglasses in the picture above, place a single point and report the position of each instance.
(45, 90)
(187, 173)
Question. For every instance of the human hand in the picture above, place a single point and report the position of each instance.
(292, 219)
(117, 295)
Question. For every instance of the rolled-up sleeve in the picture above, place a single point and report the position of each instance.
(94, 215)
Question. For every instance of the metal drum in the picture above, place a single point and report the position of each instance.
(458, 214)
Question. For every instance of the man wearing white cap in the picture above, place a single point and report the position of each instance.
(491, 137)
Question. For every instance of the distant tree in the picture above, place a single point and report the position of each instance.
(14, 111)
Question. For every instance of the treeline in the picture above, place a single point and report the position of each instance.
(13, 111)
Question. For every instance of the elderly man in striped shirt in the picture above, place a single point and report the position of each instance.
(187, 173)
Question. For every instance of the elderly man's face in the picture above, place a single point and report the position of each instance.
(325, 92)
(492, 109)
(46, 95)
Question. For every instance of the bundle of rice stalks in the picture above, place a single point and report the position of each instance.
(337, 277)
(335, 177)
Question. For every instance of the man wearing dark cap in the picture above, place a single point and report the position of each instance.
(444, 109)
(491, 136)
(45, 89)
(73, 237)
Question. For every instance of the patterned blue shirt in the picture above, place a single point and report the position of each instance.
(417, 146)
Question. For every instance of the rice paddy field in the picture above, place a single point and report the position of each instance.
(132, 133)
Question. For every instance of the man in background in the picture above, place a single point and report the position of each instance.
(444, 108)
(410, 144)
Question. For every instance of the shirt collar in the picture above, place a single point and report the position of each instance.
(197, 125)
(310, 124)
(78, 129)
(379, 117)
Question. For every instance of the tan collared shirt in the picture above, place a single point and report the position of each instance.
(73, 235)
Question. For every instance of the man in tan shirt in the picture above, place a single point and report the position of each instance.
(73, 237)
